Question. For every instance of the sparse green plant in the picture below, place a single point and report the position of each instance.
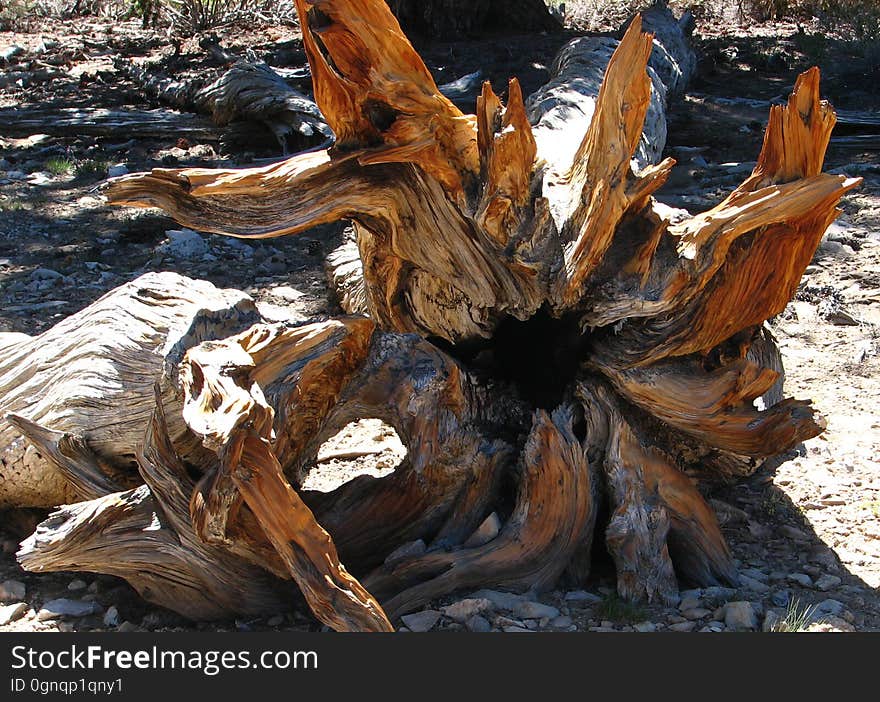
(797, 617)
(11, 204)
(92, 168)
(616, 609)
(59, 165)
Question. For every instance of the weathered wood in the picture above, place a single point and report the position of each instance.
(74, 121)
(248, 93)
(534, 321)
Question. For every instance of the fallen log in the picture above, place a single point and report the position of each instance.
(533, 325)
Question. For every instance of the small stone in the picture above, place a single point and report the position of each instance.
(286, 293)
(833, 608)
(500, 600)
(45, 274)
(718, 594)
(67, 608)
(126, 627)
(516, 630)
(276, 620)
(683, 626)
(645, 627)
(478, 624)
(463, 610)
(740, 616)
(696, 613)
(755, 574)
(780, 598)
(562, 622)
(184, 244)
(13, 612)
(409, 550)
(793, 533)
(753, 585)
(827, 582)
(801, 579)
(111, 617)
(77, 584)
(487, 531)
(7, 53)
(689, 602)
(582, 596)
(421, 621)
(605, 623)
(120, 169)
(12, 590)
(535, 610)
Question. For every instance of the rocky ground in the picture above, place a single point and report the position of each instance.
(806, 534)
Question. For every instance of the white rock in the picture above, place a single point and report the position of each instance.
(683, 626)
(77, 584)
(463, 610)
(286, 293)
(12, 612)
(534, 610)
(801, 579)
(184, 243)
(120, 169)
(12, 590)
(421, 621)
(500, 600)
(645, 627)
(740, 616)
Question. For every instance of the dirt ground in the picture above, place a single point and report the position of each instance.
(807, 531)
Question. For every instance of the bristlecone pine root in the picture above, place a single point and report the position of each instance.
(545, 343)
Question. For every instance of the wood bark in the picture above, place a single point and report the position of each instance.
(540, 336)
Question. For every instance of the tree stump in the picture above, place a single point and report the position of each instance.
(546, 344)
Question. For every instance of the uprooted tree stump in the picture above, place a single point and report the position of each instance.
(545, 343)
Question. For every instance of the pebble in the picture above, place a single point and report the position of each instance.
(827, 582)
(12, 590)
(484, 533)
(184, 244)
(126, 627)
(719, 594)
(286, 293)
(645, 627)
(12, 612)
(535, 610)
(463, 610)
(77, 584)
(834, 608)
(500, 600)
(801, 579)
(753, 585)
(516, 630)
(7, 53)
(421, 621)
(781, 598)
(770, 621)
(54, 609)
(683, 626)
(45, 274)
(478, 624)
(111, 617)
(740, 616)
(696, 613)
(755, 574)
(562, 622)
(120, 169)
(689, 602)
